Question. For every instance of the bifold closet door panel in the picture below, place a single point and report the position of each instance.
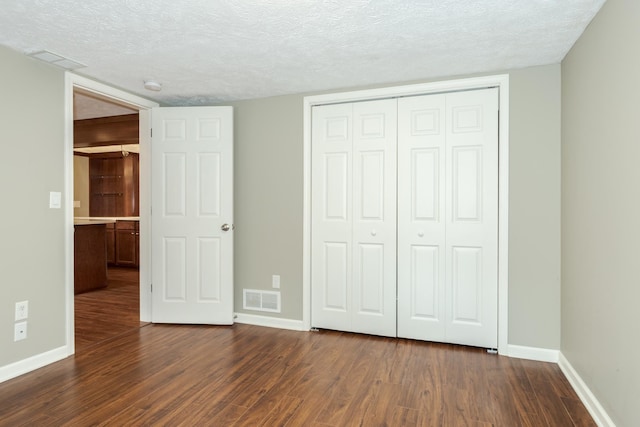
(331, 216)
(353, 205)
(471, 281)
(374, 217)
(448, 217)
(421, 217)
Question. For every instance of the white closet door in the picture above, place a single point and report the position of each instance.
(353, 217)
(448, 217)
(421, 217)
(331, 216)
(472, 218)
(374, 217)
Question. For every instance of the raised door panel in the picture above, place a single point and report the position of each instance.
(421, 222)
(374, 217)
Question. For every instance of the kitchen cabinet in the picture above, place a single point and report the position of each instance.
(111, 243)
(113, 185)
(90, 260)
(127, 241)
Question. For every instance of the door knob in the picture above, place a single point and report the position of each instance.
(227, 227)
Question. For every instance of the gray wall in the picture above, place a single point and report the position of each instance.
(601, 207)
(269, 190)
(32, 258)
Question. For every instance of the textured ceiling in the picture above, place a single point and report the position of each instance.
(89, 107)
(211, 51)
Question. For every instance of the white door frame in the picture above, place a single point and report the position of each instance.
(499, 81)
(144, 105)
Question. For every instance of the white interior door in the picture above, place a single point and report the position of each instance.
(472, 218)
(192, 215)
(353, 217)
(331, 216)
(374, 217)
(448, 218)
(421, 217)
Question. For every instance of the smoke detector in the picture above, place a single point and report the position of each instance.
(152, 85)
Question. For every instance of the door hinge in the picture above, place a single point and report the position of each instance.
(152, 287)
(151, 132)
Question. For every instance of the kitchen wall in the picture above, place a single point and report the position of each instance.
(32, 256)
(81, 185)
(269, 191)
(601, 207)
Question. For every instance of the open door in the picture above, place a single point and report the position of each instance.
(192, 215)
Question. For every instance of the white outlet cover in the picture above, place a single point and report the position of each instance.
(20, 332)
(275, 281)
(22, 310)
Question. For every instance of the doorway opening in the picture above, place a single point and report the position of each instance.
(115, 198)
(106, 215)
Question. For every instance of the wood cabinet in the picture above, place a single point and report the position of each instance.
(90, 261)
(113, 185)
(123, 243)
(111, 243)
(127, 241)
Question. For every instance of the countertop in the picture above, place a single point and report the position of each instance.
(105, 218)
(92, 221)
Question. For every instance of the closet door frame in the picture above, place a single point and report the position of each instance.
(502, 83)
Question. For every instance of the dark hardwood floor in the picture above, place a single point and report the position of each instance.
(184, 375)
(108, 312)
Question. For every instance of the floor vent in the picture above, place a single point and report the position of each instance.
(261, 300)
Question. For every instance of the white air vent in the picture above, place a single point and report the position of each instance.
(261, 300)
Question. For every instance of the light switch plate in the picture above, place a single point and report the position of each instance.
(55, 200)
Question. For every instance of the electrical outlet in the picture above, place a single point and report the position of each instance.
(275, 281)
(20, 331)
(22, 310)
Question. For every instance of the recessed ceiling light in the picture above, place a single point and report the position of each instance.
(152, 85)
(57, 60)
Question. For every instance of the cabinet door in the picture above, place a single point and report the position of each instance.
(106, 187)
(126, 243)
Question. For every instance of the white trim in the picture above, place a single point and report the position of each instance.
(269, 322)
(592, 404)
(75, 81)
(32, 363)
(500, 81)
(533, 353)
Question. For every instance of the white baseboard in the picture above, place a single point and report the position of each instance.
(533, 353)
(32, 363)
(270, 322)
(592, 404)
